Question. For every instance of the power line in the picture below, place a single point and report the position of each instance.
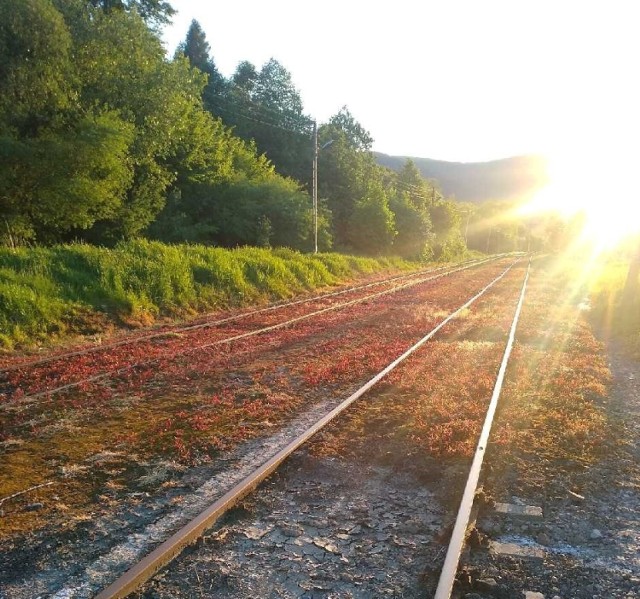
(248, 117)
(415, 189)
(274, 111)
(293, 119)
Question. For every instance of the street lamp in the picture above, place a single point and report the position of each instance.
(315, 183)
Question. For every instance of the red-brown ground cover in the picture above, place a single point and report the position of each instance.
(190, 406)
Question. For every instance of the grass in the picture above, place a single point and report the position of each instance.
(188, 410)
(611, 314)
(59, 291)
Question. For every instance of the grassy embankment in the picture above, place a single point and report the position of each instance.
(51, 293)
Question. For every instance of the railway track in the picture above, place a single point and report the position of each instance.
(206, 322)
(46, 377)
(363, 505)
(164, 553)
(80, 591)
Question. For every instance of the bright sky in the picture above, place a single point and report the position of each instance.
(448, 79)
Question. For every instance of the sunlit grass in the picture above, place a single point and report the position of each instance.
(52, 292)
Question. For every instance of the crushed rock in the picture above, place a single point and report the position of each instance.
(592, 538)
(321, 527)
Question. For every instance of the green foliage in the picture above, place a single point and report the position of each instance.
(196, 49)
(241, 208)
(155, 12)
(123, 67)
(353, 186)
(614, 291)
(265, 107)
(354, 133)
(449, 243)
(35, 66)
(92, 147)
(49, 291)
(66, 179)
(62, 167)
(411, 202)
(413, 225)
(103, 139)
(372, 226)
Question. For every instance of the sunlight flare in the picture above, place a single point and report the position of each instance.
(594, 191)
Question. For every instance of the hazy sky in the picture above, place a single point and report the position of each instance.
(452, 80)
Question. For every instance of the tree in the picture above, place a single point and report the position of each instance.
(197, 50)
(63, 166)
(413, 225)
(355, 134)
(254, 213)
(123, 66)
(411, 197)
(353, 185)
(154, 12)
(372, 224)
(449, 243)
(264, 106)
(36, 75)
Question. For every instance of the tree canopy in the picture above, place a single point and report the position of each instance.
(102, 138)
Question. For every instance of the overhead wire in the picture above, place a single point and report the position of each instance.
(403, 185)
(261, 121)
(266, 120)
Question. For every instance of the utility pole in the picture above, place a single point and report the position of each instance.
(315, 187)
(466, 227)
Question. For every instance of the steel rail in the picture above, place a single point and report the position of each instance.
(452, 558)
(235, 317)
(111, 373)
(172, 547)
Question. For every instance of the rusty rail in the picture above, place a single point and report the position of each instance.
(169, 549)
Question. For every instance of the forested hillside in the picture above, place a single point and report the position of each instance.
(103, 138)
(516, 178)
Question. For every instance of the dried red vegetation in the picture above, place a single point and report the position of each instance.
(557, 377)
(86, 363)
(435, 404)
(189, 406)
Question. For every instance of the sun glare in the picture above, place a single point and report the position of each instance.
(594, 191)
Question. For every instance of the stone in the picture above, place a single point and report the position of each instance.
(530, 512)
(595, 534)
(516, 550)
(325, 544)
(291, 530)
(486, 584)
(532, 595)
(543, 539)
(255, 533)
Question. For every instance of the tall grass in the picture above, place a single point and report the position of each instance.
(51, 292)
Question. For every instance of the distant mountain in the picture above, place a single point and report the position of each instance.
(518, 177)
